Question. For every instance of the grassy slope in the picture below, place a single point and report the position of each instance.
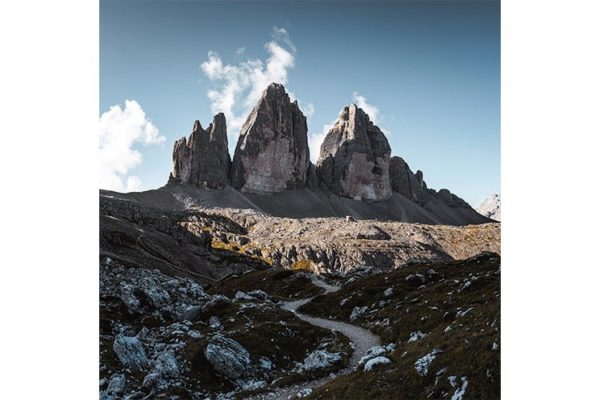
(279, 283)
(429, 305)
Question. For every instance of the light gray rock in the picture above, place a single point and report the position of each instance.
(117, 384)
(272, 152)
(192, 313)
(376, 351)
(355, 158)
(357, 312)
(203, 159)
(130, 351)
(380, 360)
(214, 323)
(320, 359)
(166, 364)
(228, 357)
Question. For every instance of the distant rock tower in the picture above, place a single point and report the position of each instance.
(202, 160)
(272, 150)
(355, 158)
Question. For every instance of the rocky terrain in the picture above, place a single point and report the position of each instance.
(425, 330)
(443, 320)
(166, 337)
(491, 207)
(267, 277)
(220, 303)
(210, 244)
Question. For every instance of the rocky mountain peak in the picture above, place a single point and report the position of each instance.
(197, 127)
(272, 151)
(203, 159)
(491, 207)
(355, 156)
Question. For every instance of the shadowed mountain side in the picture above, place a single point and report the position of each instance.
(305, 203)
(175, 242)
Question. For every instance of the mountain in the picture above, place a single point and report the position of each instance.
(491, 207)
(272, 151)
(203, 160)
(268, 277)
(355, 173)
(355, 158)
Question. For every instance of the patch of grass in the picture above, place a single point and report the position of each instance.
(302, 265)
(217, 244)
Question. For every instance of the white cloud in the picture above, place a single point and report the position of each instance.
(308, 109)
(237, 87)
(361, 102)
(371, 110)
(316, 139)
(120, 130)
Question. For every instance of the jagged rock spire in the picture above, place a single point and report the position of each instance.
(355, 157)
(272, 151)
(203, 159)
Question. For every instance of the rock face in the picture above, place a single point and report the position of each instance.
(355, 158)
(203, 160)
(272, 152)
(491, 207)
(405, 182)
(413, 187)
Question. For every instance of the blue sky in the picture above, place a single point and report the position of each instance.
(429, 70)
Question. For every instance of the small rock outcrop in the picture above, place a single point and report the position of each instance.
(355, 157)
(413, 187)
(203, 159)
(272, 152)
(405, 182)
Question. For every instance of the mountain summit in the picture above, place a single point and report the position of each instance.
(355, 157)
(490, 207)
(271, 170)
(203, 160)
(272, 151)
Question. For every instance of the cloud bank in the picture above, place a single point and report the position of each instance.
(237, 87)
(120, 130)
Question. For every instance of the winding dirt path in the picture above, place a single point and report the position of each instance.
(361, 341)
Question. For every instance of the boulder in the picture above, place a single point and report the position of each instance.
(228, 357)
(320, 359)
(355, 158)
(130, 351)
(381, 360)
(117, 384)
(272, 152)
(203, 159)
